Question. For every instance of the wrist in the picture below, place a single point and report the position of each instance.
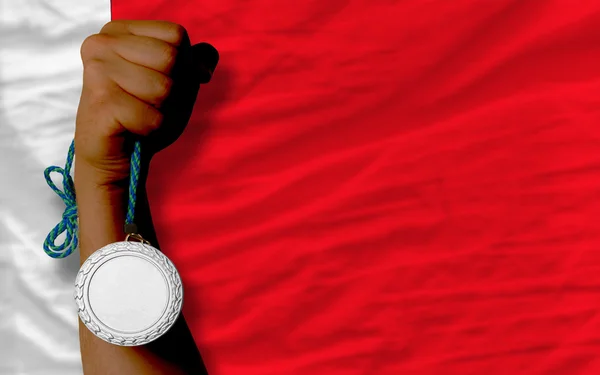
(101, 207)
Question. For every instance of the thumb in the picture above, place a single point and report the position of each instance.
(205, 58)
(197, 65)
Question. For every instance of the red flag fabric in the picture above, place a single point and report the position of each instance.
(388, 187)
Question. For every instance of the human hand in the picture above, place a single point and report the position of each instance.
(140, 81)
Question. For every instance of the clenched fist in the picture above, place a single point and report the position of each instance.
(140, 81)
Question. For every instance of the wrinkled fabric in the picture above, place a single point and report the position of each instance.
(40, 83)
(366, 187)
(388, 187)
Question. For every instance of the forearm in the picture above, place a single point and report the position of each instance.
(102, 209)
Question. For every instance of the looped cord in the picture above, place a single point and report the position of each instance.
(70, 221)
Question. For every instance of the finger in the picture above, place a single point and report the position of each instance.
(169, 32)
(146, 84)
(149, 52)
(204, 60)
(146, 51)
(135, 115)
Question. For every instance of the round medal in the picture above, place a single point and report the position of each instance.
(128, 293)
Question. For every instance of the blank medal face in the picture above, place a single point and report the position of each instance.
(128, 293)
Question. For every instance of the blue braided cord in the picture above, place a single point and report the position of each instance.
(134, 176)
(69, 222)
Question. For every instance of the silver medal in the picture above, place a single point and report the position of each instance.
(128, 293)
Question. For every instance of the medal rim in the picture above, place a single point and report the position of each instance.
(149, 253)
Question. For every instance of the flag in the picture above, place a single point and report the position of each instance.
(365, 187)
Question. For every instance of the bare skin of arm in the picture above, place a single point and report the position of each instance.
(102, 210)
(132, 88)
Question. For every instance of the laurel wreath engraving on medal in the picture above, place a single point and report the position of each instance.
(174, 304)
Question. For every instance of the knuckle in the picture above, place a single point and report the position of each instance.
(111, 25)
(94, 71)
(177, 33)
(154, 120)
(163, 86)
(101, 95)
(169, 56)
(96, 84)
(94, 45)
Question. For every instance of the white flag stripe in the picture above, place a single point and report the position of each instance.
(40, 83)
